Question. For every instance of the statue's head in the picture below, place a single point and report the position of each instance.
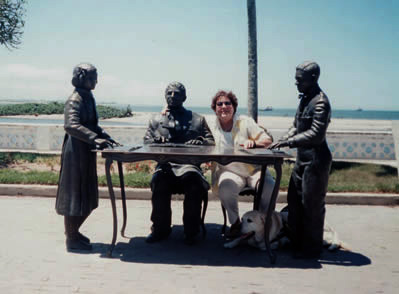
(306, 76)
(175, 95)
(84, 76)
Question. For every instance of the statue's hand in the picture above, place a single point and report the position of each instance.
(278, 145)
(102, 143)
(161, 139)
(197, 141)
(165, 110)
(114, 143)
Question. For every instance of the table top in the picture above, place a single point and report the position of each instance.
(181, 153)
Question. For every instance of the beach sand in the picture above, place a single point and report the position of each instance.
(283, 123)
(279, 124)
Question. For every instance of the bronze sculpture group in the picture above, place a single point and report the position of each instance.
(77, 193)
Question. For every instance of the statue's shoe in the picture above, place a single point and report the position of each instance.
(156, 236)
(83, 238)
(77, 245)
(190, 239)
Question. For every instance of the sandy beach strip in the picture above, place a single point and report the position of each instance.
(269, 122)
(284, 123)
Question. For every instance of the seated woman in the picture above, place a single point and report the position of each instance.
(228, 180)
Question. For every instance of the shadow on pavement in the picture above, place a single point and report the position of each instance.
(344, 258)
(210, 252)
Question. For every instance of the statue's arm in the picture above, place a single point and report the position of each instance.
(151, 133)
(316, 134)
(72, 125)
(292, 131)
(101, 133)
(207, 134)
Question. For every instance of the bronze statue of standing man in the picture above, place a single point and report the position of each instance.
(309, 179)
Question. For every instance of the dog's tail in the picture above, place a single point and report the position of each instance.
(331, 239)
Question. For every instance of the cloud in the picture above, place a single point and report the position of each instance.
(29, 72)
(20, 81)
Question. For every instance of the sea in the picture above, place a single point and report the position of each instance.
(277, 112)
(286, 112)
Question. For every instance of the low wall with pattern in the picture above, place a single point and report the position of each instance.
(48, 139)
(360, 146)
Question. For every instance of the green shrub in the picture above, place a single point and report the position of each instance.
(9, 176)
(344, 177)
(32, 108)
(58, 108)
(11, 157)
(136, 179)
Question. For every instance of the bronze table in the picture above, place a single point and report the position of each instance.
(192, 155)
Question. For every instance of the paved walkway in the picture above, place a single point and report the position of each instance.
(350, 198)
(33, 257)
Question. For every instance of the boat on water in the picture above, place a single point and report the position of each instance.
(359, 109)
(267, 108)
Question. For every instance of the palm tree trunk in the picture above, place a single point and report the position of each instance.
(252, 62)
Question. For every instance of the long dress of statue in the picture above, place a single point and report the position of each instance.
(309, 179)
(77, 193)
(178, 125)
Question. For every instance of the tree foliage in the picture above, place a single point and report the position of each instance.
(12, 13)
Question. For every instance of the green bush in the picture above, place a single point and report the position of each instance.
(11, 157)
(5, 158)
(344, 177)
(58, 108)
(135, 179)
(9, 176)
(32, 108)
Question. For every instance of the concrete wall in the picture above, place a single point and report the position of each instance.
(344, 145)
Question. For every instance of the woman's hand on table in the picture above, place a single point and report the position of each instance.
(249, 144)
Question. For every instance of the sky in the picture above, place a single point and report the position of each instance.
(139, 46)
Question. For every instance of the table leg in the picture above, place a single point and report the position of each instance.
(259, 189)
(123, 196)
(108, 163)
(272, 207)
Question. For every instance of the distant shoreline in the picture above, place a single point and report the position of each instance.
(272, 122)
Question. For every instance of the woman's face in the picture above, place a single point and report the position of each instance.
(224, 109)
(90, 81)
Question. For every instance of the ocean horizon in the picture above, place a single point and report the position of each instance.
(279, 112)
(275, 112)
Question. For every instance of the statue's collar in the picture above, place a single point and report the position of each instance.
(177, 110)
(312, 93)
(84, 91)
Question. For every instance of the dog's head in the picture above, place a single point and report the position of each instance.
(253, 223)
(253, 229)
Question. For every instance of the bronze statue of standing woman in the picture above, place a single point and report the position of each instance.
(77, 193)
(309, 179)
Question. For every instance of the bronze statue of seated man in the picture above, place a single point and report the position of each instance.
(177, 125)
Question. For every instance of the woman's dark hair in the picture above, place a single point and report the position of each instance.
(230, 95)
